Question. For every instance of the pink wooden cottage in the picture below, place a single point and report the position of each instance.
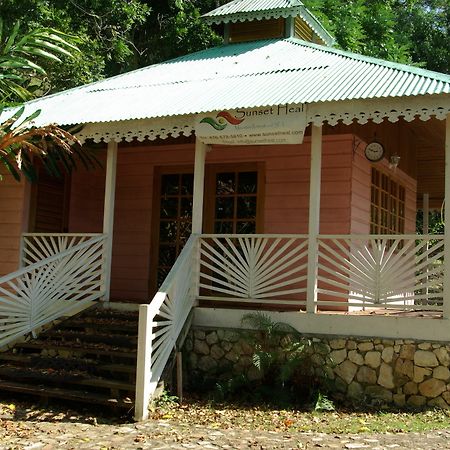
(273, 172)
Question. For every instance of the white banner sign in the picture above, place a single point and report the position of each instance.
(283, 124)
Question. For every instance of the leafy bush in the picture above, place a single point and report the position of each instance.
(283, 359)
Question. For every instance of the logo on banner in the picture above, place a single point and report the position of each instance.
(283, 124)
(222, 120)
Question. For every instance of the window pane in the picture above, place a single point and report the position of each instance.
(226, 183)
(168, 231)
(247, 182)
(187, 184)
(184, 231)
(246, 208)
(246, 227)
(169, 208)
(170, 184)
(224, 207)
(186, 208)
(167, 255)
(223, 228)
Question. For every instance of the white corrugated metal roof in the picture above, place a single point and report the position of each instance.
(245, 75)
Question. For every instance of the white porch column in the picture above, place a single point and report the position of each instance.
(446, 305)
(108, 214)
(199, 186)
(314, 217)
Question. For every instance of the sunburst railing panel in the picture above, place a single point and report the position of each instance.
(258, 269)
(395, 271)
(38, 246)
(50, 288)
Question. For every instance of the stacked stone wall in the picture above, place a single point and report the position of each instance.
(376, 371)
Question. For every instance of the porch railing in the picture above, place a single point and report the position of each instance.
(403, 272)
(262, 269)
(161, 322)
(58, 284)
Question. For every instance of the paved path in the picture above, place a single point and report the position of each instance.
(15, 435)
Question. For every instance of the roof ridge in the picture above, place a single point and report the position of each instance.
(372, 60)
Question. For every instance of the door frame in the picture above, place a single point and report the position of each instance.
(211, 169)
(156, 211)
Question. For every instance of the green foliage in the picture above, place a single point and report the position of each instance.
(104, 28)
(404, 31)
(283, 359)
(165, 400)
(435, 222)
(20, 53)
(323, 403)
(21, 144)
(174, 28)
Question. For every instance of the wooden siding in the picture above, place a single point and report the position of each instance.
(13, 220)
(87, 193)
(256, 29)
(302, 30)
(360, 192)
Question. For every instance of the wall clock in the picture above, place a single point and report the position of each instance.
(374, 151)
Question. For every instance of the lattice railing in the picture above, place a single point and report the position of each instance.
(396, 271)
(258, 269)
(161, 322)
(50, 288)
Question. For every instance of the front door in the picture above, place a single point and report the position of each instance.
(233, 205)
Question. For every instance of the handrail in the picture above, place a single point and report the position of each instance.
(157, 337)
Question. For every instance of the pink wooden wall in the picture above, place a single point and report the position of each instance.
(361, 192)
(13, 220)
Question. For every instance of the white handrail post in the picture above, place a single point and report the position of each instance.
(314, 218)
(108, 215)
(199, 186)
(144, 363)
(446, 300)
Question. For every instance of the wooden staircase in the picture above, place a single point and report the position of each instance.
(88, 358)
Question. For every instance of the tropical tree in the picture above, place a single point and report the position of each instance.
(20, 74)
(21, 143)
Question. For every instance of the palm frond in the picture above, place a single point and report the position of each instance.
(58, 149)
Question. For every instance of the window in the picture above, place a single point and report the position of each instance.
(387, 208)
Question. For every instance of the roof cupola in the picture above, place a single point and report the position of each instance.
(249, 20)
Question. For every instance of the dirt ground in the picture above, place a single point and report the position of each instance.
(28, 426)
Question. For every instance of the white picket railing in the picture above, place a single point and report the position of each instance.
(161, 322)
(49, 288)
(254, 269)
(391, 272)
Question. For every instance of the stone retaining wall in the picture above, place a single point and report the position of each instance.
(377, 371)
